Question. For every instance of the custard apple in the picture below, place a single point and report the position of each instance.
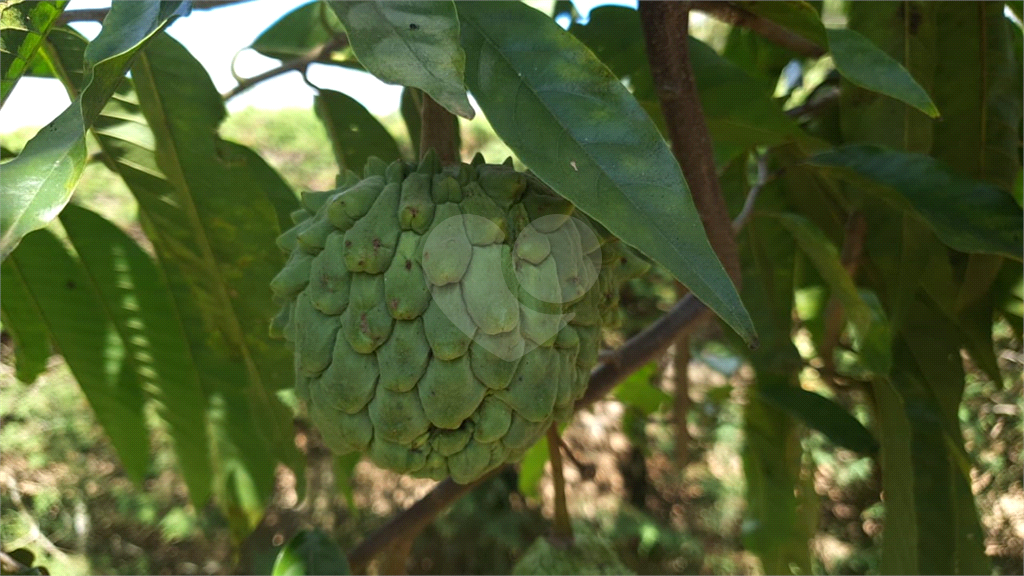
(441, 319)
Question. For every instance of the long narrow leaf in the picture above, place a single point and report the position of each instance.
(39, 182)
(868, 66)
(968, 215)
(212, 204)
(63, 295)
(23, 26)
(580, 131)
(139, 306)
(26, 326)
(821, 414)
(355, 133)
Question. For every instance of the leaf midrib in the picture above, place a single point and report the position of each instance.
(185, 195)
(601, 172)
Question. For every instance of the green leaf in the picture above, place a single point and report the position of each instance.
(531, 468)
(821, 414)
(906, 31)
(738, 107)
(62, 294)
(139, 306)
(355, 133)
(868, 66)
(209, 241)
(967, 215)
(344, 470)
(40, 180)
(311, 552)
(798, 17)
(23, 26)
(637, 391)
(932, 525)
(412, 44)
(978, 90)
(298, 32)
(583, 134)
(824, 255)
(772, 527)
(26, 326)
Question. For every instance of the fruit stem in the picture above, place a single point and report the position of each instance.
(562, 534)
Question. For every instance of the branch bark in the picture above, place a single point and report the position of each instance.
(300, 64)
(666, 33)
(732, 14)
(438, 131)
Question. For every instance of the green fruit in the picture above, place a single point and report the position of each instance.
(435, 326)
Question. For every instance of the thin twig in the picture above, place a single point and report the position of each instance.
(731, 14)
(300, 64)
(438, 131)
(755, 190)
(413, 519)
(98, 14)
(562, 534)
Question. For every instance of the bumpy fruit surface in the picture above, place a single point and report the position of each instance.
(443, 318)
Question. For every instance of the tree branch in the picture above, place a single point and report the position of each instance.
(666, 34)
(438, 131)
(98, 14)
(300, 64)
(732, 14)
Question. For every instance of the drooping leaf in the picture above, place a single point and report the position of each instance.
(26, 326)
(907, 32)
(217, 282)
(773, 525)
(61, 292)
(139, 306)
(978, 91)
(967, 215)
(821, 414)
(308, 553)
(411, 44)
(582, 133)
(637, 391)
(355, 133)
(23, 26)
(825, 257)
(39, 182)
(868, 66)
(946, 536)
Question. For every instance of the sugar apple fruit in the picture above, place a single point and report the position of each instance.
(441, 319)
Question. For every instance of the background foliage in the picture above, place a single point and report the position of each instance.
(869, 153)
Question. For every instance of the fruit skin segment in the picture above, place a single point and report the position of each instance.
(443, 318)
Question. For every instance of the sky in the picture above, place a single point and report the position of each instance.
(214, 37)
